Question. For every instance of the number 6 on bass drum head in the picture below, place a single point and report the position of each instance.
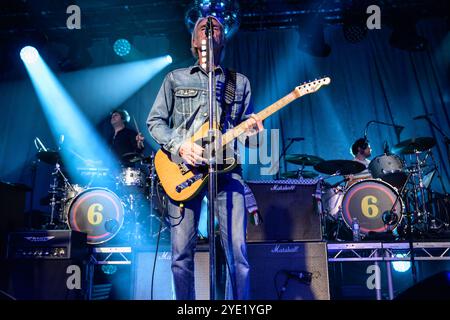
(98, 212)
(370, 201)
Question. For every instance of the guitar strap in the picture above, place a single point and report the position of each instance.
(228, 96)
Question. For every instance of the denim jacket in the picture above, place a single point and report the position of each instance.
(181, 106)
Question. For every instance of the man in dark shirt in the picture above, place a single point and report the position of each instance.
(126, 142)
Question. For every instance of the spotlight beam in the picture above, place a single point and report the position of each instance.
(64, 118)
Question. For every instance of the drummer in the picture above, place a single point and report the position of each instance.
(361, 151)
(125, 140)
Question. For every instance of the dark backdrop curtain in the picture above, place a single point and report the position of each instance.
(370, 81)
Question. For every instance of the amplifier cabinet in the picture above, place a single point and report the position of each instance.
(288, 271)
(287, 211)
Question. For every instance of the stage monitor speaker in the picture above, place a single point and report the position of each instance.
(162, 282)
(287, 211)
(288, 271)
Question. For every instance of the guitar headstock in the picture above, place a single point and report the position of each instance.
(312, 86)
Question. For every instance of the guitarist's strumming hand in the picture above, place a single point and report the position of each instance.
(253, 125)
(192, 153)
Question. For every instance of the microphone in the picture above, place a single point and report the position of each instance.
(296, 139)
(424, 116)
(302, 276)
(389, 217)
(111, 225)
(209, 26)
(386, 148)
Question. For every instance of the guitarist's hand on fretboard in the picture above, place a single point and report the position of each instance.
(192, 153)
(253, 125)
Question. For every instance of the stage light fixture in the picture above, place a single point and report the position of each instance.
(109, 269)
(29, 54)
(122, 47)
(401, 266)
(226, 11)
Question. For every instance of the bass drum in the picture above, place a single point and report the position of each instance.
(370, 202)
(98, 212)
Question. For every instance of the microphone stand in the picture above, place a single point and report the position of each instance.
(398, 129)
(282, 155)
(446, 142)
(213, 149)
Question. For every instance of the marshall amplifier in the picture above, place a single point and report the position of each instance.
(47, 244)
(288, 271)
(287, 211)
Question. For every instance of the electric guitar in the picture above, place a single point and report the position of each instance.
(182, 182)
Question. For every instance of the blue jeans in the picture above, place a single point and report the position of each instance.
(232, 218)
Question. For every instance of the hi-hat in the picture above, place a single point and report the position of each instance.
(303, 159)
(296, 174)
(50, 157)
(414, 145)
(342, 167)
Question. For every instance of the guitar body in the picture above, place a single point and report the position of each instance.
(173, 172)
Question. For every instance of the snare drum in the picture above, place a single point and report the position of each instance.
(370, 202)
(131, 177)
(98, 212)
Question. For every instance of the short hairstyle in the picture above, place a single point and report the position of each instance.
(194, 33)
(123, 114)
(362, 143)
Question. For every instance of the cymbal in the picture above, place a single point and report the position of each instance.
(303, 159)
(344, 167)
(410, 146)
(132, 157)
(295, 174)
(50, 157)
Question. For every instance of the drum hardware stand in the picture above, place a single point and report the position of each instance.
(57, 173)
(390, 217)
(318, 197)
(324, 214)
(291, 141)
(446, 138)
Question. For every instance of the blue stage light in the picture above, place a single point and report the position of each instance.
(29, 54)
(169, 58)
(109, 269)
(82, 146)
(122, 47)
(401, 266)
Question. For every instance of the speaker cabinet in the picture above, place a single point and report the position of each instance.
(162, 283)
(287, 212)
(288, 271)
(63, 279)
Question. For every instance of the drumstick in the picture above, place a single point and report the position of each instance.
(135, 124)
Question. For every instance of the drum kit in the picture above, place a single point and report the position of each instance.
(127, 205)
(396, 186)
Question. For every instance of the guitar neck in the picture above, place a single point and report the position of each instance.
(232, 134)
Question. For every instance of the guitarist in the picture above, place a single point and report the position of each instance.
(180, 108)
